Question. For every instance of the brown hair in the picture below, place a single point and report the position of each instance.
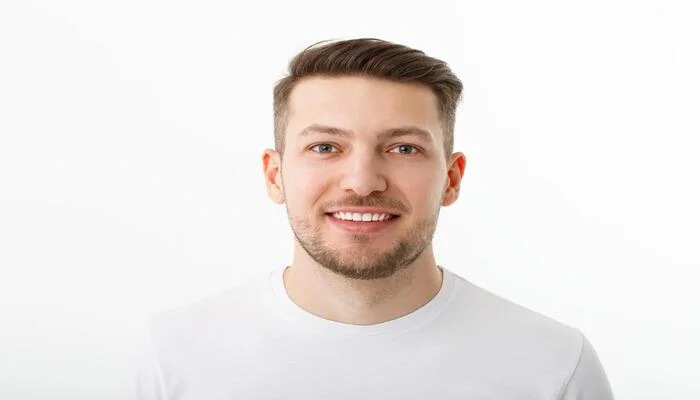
(373, 58)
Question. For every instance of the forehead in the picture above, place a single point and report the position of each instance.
(361, 104)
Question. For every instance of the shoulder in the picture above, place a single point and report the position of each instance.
(211, 316)
(495, 311)
(510, 329)
(529, 347)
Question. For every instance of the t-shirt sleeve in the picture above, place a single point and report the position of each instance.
(588, 381)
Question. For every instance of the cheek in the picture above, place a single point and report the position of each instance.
(421, 189)
(302, 189)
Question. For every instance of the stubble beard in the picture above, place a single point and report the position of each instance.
(360, 261)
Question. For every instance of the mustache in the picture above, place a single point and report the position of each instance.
(368, 201)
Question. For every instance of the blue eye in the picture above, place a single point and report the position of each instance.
(324, 148)
(405, 149)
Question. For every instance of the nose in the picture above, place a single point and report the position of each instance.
(363, 175)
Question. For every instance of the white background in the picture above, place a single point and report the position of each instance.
(131, 178)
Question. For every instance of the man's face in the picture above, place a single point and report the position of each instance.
(367, 149)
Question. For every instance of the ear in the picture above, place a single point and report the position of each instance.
(272, 168)
(455, 173)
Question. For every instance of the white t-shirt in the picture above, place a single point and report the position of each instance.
(254, 342)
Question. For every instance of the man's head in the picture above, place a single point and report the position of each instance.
(364, 128)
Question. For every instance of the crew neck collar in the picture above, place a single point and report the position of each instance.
(320, 325)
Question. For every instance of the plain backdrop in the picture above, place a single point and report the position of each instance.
(131, 178)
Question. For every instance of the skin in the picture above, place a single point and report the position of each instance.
(362, 278)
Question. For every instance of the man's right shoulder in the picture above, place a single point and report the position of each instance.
(235, 305)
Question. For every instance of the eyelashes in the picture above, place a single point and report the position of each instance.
(327, 148)
(323, 145)
(410, 146)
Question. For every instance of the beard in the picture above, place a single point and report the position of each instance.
(359, 260)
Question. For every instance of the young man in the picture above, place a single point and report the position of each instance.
(363, 162)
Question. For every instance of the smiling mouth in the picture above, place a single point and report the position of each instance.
(362, 217)
(362, 223)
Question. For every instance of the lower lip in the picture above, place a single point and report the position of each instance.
(361, 226)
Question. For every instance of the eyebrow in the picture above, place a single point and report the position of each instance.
(386, 134)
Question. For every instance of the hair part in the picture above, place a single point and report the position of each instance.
(373, 58)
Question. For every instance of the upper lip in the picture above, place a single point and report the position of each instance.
(364, 210)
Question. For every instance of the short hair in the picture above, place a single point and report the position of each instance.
(374, 58)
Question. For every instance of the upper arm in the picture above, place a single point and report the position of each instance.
(588, 380)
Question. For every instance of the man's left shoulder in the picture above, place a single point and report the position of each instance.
(509, 324)
(530, 348)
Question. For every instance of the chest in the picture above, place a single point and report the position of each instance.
(358, 370)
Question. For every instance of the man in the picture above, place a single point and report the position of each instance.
(363, 161)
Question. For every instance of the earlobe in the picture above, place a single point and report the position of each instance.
(449, 197)
(455, 173)
(272, 167)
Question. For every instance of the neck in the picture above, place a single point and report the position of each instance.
(361, 302)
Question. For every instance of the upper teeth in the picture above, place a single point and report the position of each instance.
(361, 217)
